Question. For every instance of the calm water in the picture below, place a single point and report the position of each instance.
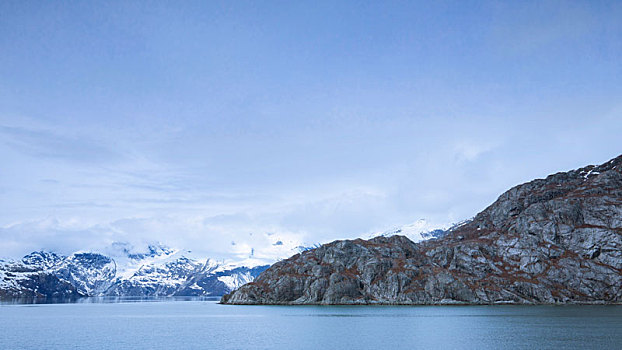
(207, 325)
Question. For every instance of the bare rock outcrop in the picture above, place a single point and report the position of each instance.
(553, 240)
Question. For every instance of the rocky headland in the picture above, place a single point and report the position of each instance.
(548, 241)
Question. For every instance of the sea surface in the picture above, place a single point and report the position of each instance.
(204, 324)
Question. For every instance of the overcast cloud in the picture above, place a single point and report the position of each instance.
(228, 127)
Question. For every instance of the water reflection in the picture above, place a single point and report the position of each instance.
(104, 300)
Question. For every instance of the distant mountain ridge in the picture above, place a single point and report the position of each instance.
(160, 271)
(121, 271)
(419, 230)
(552, 240)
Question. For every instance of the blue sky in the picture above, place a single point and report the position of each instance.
(228, 126)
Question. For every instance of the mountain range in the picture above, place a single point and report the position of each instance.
(160, 271)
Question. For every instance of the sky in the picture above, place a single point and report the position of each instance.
(239, 128)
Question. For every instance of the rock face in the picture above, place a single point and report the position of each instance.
(553, 240)
(160, 272)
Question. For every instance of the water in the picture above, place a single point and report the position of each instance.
(195, 324)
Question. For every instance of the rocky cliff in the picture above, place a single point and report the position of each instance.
(553, 240)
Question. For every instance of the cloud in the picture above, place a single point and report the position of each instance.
(63, 236)
(268, 232)
(41, 143)
(259, 241)
(470, 150)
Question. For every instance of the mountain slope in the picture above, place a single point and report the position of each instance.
(553, 240)
(159, 272)
(418, 231)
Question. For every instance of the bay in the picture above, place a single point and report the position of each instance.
(204, 324)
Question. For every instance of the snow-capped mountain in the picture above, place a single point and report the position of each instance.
(418, 231)
(160, 271)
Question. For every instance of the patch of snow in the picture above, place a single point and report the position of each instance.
(233, 264)
(416, 232)
(589, 173)
(235, 281)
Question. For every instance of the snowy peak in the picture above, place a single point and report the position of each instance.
(152, 252)
(158, 271)
(418, 231)
(42, 258)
